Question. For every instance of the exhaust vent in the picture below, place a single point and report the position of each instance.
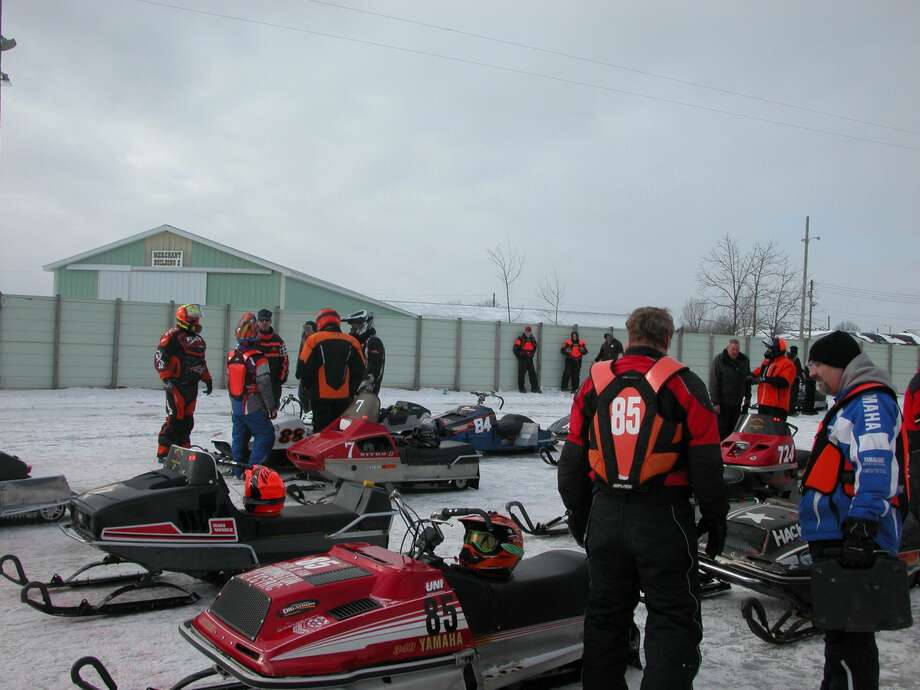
(349, 572)
(353, 608)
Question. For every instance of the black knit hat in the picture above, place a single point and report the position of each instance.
(265, 315)
(836, 349)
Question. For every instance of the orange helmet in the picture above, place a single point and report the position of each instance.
(264, 493)
(492, 550)
(188, 317)
(327, 317)
(247, 328)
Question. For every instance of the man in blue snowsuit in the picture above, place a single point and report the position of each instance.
(850, 488)
(252, 399)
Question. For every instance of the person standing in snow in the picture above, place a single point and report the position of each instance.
(912, 427)
(252, 399)
(611, 349)
(799, 376)
(729, 389)
(180, 362)
(309, 328)
(275, 352)
(524, 349)
(633, 508)
(848, 509)
(774, 378)
(574, 349)
(362, 330)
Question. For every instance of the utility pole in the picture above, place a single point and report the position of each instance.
(811, 306)
(806, 240)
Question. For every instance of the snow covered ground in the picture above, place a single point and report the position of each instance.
(99, 436)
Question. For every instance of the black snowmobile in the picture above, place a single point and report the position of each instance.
(181, 519)
(765, 552)
(24, 496)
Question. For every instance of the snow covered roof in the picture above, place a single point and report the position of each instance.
(529, 315)
(908, 337)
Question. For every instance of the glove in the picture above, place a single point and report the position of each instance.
(208, 387)
(713, 523)
(168, 385)
(578, 526)
(858, 550)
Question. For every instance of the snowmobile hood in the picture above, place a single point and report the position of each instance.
(353, 607)
(336, 440)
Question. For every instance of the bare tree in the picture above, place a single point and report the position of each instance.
(783, 297)
(552, 292)
(847, 326)
(693, 314)
(765, 260)
(725, 275)
(508, 270)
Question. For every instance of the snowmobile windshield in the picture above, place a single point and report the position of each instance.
(762, 425)
(365, 406)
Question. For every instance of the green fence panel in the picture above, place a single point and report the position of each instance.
(26, 341)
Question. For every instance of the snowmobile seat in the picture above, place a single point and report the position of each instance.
(550, 586)
(510, 425)
(11, 467)
(321, 518)
(442, 455)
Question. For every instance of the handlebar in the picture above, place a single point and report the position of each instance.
(481, 397)
(445, 513)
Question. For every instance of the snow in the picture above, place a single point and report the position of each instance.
(99, 436)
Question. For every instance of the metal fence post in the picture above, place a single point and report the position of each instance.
(278, 319)
(1, 335)
(540, 355)
(226, 343)
(56, 346)
(457, 351)
(680, 344)
(417, 380)
(116, 342)
(171, 316)
(712, 350)
(891, 361)
(498, 354)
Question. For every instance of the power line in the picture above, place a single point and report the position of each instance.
(529, 73)
(613, 65)
(869, 294)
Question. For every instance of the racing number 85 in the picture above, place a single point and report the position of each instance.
(625, 415)
(433, 621)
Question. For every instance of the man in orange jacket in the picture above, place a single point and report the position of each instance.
(774, 377)
(574, 349)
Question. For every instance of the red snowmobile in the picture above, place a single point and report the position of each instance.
(358, 447)
(762, 449)
(360, 617)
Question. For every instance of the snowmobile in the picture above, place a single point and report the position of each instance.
(23, 496)
(763, 448)
(764, 552)
(181, 519)
(357, 447)
(291, 425)
(552, 527)
(512, 433)
(361, 617)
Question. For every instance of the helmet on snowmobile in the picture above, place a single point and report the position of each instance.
(425, 435)
(361, 322)
(775, 347)
(264, 493)
(188, 318)
(247, 328)
(492, 549)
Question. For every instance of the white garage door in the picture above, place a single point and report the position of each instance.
(154, 286)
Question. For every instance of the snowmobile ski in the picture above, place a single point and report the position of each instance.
(556, 526)
(109, 606)
(784, 631)
(73, 580)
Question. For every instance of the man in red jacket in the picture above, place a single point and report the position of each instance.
(912, 427)
(574, 349)
(525, 347)
(272, 346)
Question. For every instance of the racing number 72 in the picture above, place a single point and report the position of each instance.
(433, 621)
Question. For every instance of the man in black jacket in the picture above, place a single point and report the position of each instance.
(611, 349)
(729, 388)
(525, 348)
(621, 470)
(362, 330)
(793, 354)
(272, 346)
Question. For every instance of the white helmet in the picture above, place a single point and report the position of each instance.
(361, 322)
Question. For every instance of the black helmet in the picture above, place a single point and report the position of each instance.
(361, 322)
(425, 435)
(775, 348)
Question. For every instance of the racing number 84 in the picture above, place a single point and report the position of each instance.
(433, 621)
(625, 415)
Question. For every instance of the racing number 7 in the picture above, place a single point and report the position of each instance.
(433, 621)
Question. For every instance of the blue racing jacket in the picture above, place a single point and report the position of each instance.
(866, 431)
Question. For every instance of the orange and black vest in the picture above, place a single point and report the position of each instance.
(770, 395)
(241, 372)
(331, 364)
(577, 348)
(630, 443)
(827, 467)
(525, 345)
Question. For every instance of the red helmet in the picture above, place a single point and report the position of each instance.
(188, 317)
(264, 494)
(327, 317)
(491, 550)
(247, 328)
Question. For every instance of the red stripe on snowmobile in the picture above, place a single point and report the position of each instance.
(219, 529)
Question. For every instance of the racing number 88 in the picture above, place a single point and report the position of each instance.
(290, 435)
(433, 621)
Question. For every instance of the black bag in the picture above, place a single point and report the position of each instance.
(861, 599)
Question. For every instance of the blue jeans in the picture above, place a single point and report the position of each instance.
(257, 426)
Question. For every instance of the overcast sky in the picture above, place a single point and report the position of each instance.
(392, 172)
